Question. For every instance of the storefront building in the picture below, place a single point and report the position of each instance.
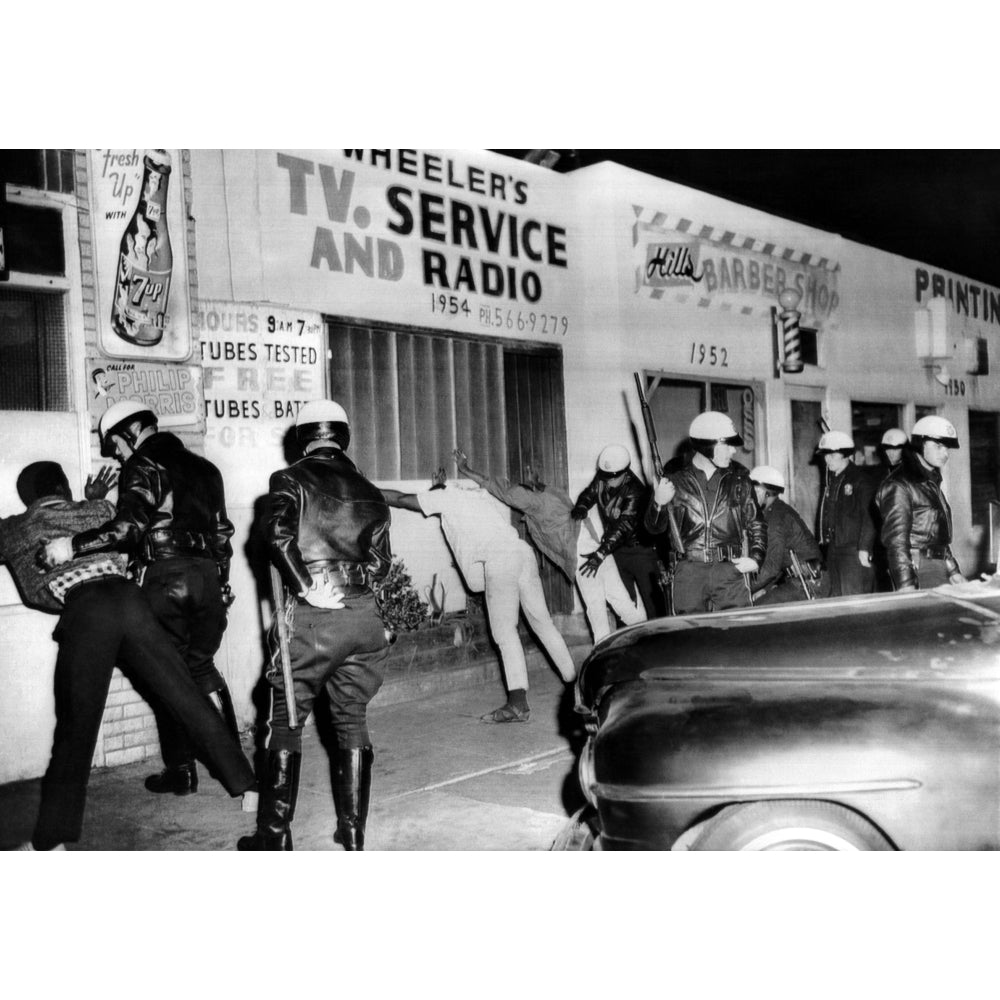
(444, 298)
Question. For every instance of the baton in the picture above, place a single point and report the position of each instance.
(281, 625)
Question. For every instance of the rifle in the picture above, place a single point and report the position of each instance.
(281, 626)
(647, 419)
(800, 575)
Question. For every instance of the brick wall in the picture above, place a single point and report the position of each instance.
(128, 730)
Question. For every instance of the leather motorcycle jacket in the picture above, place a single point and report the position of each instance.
(719, 527)
(325, 514)
(171, 502)
(916, 521)
(620, 508)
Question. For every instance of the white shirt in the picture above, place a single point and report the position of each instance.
(473, 525)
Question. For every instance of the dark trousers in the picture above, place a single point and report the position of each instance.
(847, 575)
(791, 590)
(930, 572)
(639, 569)
(340, 652)
(712, 586)
(186, 597)
(106, 622)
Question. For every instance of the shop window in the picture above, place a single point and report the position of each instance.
(809, 345)
(44, 169)
(984, 464)
(33, 239)
(32, 351)
(869, 421)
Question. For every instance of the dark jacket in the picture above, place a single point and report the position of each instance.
(847, 502)
(620, 507)
(323, 510)
(733, 513)
(786, 533)
(915, 517)
(171, 502)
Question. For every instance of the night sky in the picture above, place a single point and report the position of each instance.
(940, 207)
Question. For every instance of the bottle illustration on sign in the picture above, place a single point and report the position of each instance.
(145, 260)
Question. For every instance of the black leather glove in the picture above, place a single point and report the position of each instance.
(591, 564)
(578, 513)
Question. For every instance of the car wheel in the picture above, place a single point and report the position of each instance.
(580, 833)
(782, 825)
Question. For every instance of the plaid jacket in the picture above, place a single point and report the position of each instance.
(22, 535)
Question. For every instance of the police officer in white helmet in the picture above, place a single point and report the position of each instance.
(916, 517)
(777, 581)
(328, 531)
(171, 518)
(721, 527)
(847, 528)
(621, 497)
(893, 442)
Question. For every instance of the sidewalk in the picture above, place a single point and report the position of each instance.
(442, 781)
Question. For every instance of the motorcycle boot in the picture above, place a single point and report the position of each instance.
(352, 785)
(276, 808)
(179, 779)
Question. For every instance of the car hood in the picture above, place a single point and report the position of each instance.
(951, 632)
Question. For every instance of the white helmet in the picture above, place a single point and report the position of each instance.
(934, 428)
(117, 417)
(322, 420)
(836, 441)
(714, 426)
(321, 411)
(613, 459)
(767, 475)
(894, 438)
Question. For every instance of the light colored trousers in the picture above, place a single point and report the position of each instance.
(513, 585)
(605, 588)
(601, 590)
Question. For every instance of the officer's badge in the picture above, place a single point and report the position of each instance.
(848, 490)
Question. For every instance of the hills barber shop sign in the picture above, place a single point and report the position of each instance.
(709, 266)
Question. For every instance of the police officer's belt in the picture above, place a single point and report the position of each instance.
(931, 552)
(351, 577)
(162, 543)
(720, 553)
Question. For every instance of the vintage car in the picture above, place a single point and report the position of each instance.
(859, 723)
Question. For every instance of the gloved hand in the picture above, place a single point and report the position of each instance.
(56, 552)
(591, 564)
(578, 513)
(664, 492)
(326, 596)
(746, 565)
(865, 558)
(97, 487)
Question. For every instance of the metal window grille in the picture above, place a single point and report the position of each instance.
(412, 396)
